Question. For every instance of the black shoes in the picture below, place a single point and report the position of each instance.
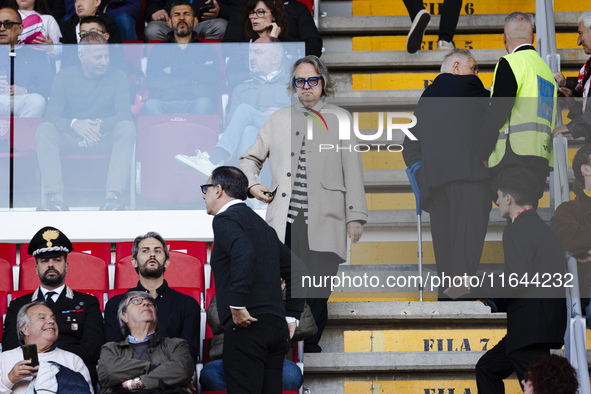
(417, 30)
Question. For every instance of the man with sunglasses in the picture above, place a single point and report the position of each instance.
(32, 82)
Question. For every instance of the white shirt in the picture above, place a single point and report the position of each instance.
(54, 297)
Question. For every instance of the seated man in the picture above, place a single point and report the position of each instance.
(71, 27)
(36, 325)
(32, 82)
(572, 223)
(182, 78)
(250, 106)
(89, 112)
(178, 313)
(124, 12)
(144, 360)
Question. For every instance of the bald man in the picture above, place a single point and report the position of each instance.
(454, 183)
(519, 123)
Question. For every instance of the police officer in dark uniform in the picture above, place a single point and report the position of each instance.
(78, 315)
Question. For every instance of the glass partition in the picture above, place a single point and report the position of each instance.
(138, 126)
(5, 134)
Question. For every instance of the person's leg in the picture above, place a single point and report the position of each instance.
(492, 368)
(292, 376)
(212, 376)
(198, 106)
(450, 13)
(521, 358)
(212, 29)
(29, 106)
(154, 107)
(49, 143)
(122, 140)
(420, 19)
(156, 31)
(440, 218)
(234, 136)
(126, 25)
(273, 380)
(413, 7)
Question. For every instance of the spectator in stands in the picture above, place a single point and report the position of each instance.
(36, 325)
(179, 314)
(517, 132)
(251, 104)
(123, 12)
(144, 359)
(182, 78)
(32, 84)
(158, 13)
(290, 21)
(420, 17)
(536, 321)
(95, 24)
(551, 374)
(580, 124)
(79, 317)
(454, 183)
(39, 26)
(572, 223)
(314, 210)
(248, 263)
(89, 112)
(71, 27)
(212, 375)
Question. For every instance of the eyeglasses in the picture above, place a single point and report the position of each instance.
(9, 24)
(204, 187)
(140, 301)
(300, 83)
(260, 13)
(83, 33)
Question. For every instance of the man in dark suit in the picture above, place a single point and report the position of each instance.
(248, 263)
(78, 315)
(536, 317)
(454, 183)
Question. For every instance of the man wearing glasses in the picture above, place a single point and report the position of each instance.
(32, 80)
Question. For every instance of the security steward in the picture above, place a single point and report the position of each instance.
(78, 315)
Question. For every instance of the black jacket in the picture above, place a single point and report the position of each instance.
(68, 29)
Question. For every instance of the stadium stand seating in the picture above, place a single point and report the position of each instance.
(101, 250)
(5, 276)
(8, 252)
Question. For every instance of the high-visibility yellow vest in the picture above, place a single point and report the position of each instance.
(533, 117)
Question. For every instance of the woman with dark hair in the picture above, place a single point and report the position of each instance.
(550, 374)
(265, 18)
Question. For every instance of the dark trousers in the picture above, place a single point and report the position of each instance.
(253, 356)
(497, 365)
(319, 264)
(450, 13)
(459, 214)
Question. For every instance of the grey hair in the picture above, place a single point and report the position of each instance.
(328, 86)
(22, 318)
(586, 19)
(518, 16)
(447, 60)
(124, 303)
(92, 37)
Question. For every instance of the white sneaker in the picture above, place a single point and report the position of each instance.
(446, 45)
(200, 163)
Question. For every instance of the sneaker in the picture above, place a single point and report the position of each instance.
(417, 30)
(199, 163)
(112, 204)
(445, 45)
(54, 205)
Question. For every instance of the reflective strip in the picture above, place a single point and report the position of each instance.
(531, 126)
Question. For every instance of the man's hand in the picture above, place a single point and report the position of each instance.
(560, 80)
(291, 327)
(21, 370)
(275, 30)
(585, 259)
(213, 13)
(354, 229)
(242, 318)
(16, 90)
(88, 129)
(160, 15)
(559, 130)
(261, 193)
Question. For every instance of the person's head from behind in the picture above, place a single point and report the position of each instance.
(93, 24)
(459, 62)
(310, 80)
(265, 56)
(149, 255)
(550, 374)
(516, 187)
(518, 30)
(259, 14)
(182, 18)
(86, 7)
(93, 52)
(12, 26)
(225, 184)
(582, 164)
(137, 313)
(36, 324)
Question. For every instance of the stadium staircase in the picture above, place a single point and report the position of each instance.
(389, 341)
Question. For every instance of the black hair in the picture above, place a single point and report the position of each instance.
(519, 182)
(581, 157)
(232, 180)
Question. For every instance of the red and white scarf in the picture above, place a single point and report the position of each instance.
(584, 81)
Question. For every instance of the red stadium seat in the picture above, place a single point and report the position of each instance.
(3, 306)
(184, 271)
(8, 253)
(84, 272)
(5, 276)
(98, 249)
